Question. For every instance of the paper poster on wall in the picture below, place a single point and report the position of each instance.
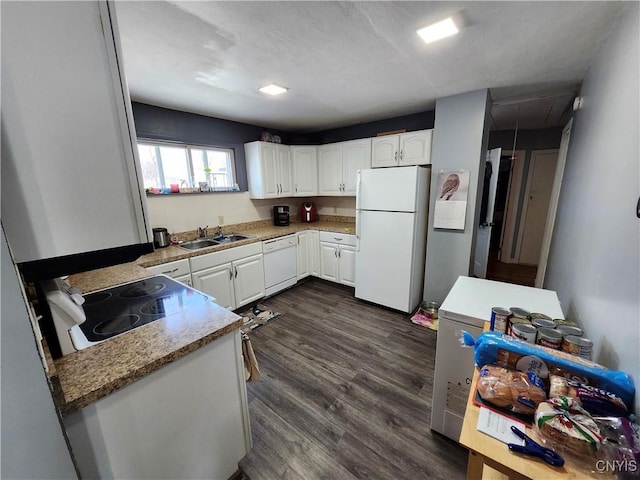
(451, 200)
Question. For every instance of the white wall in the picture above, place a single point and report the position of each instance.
(594, 263)
(181, 213)
(460, 139)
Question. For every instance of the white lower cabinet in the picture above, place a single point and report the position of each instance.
(308, 254)
(337, 258)
(178, 270)
(235, 277)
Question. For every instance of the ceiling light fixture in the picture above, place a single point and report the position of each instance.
(438, 30)
(273, 89)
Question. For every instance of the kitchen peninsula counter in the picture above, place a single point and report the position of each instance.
(83, 377)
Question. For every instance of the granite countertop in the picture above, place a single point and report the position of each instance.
(84, 377)
(263, 230)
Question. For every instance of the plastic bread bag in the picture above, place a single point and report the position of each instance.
(519, 392)
(506, 351)
(620, 449)
(596, 401)
(564, 424)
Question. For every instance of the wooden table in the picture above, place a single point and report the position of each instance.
(491, 459)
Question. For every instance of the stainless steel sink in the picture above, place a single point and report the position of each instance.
(232, 237)
(199, 243)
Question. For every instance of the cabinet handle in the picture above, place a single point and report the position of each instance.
(296, 188)
(338, 239)
(339, 253)
(236, 270)
(401, 155)
(230, 274)
(335, 252)
(395, 156)
(170, 271)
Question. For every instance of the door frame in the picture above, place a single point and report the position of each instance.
(525, 205)
(513, 194)
(553, 204)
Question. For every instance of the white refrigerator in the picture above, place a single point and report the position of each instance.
(467, 307)
(391, 231)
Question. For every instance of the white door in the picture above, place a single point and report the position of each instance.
(415, 148)
(329, 261)
(285, 171)
(542, 172)
(330, 169)
(217, 282)
(347, 265)
(483, 236)
(384, 151)
(383, 258)
(305, 170)
(248, 279)
(388, 189)
(356, 155)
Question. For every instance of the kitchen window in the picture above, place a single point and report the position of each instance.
(175, 168)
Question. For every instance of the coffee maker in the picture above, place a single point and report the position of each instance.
(281, 215)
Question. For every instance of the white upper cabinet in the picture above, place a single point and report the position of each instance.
(69, 152)
(269, 170)
(305, 170)
(338, 164)
(413, 148)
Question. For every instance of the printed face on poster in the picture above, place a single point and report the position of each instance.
(451, 200)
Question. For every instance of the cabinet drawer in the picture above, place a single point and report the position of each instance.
(225, 256)
(172, 269)
(340, 238)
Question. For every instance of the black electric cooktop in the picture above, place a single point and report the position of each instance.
(118, 309)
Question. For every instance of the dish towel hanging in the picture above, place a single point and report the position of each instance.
(251, 370)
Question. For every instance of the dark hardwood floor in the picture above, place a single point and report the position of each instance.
(516, 273)
(345, 393)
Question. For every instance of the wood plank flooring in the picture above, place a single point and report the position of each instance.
(345, 393)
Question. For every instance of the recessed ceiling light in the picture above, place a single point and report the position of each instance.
(438, 30)
(273, 89)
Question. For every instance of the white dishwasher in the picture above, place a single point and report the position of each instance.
(280, 263)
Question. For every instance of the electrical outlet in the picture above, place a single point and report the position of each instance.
(220, 220)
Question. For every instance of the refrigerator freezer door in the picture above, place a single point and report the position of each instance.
(388, 189)
(383, 258)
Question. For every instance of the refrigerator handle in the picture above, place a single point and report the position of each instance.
(357, 230)
(358, 188)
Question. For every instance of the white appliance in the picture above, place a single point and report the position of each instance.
(467, 307)
(280, 263)
(391, 233)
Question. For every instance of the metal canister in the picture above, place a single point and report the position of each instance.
(514, 321)
(532, 316)
(524, 332)
(499, 319)
(562, 321)
(580, 346)
(549, 337)
(430, 309)
(519, 312)
(543, 323)
(567, 330)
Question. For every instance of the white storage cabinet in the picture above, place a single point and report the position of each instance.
(308, 254)
(234, 277)
(269, 169)
(338, 257)
(178, 270)
(70, 176)
(412, 148)
(338, 165)
(305, 170)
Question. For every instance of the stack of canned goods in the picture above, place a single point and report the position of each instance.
(520, 326)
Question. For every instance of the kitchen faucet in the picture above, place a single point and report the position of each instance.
(202, 232)
(219, 231)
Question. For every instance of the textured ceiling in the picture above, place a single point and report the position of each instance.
(354, 62)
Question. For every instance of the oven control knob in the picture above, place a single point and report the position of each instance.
(76, 296)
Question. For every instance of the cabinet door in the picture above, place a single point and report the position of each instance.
(303, 255)
(269, 166)
(217, 282)
(305, 170)
(330, 169)
(284, 180)
(329, 261)
(248, 279)
(415, 148)
(356, 155)
(347, 267)
(384, 151)
(314, 253)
